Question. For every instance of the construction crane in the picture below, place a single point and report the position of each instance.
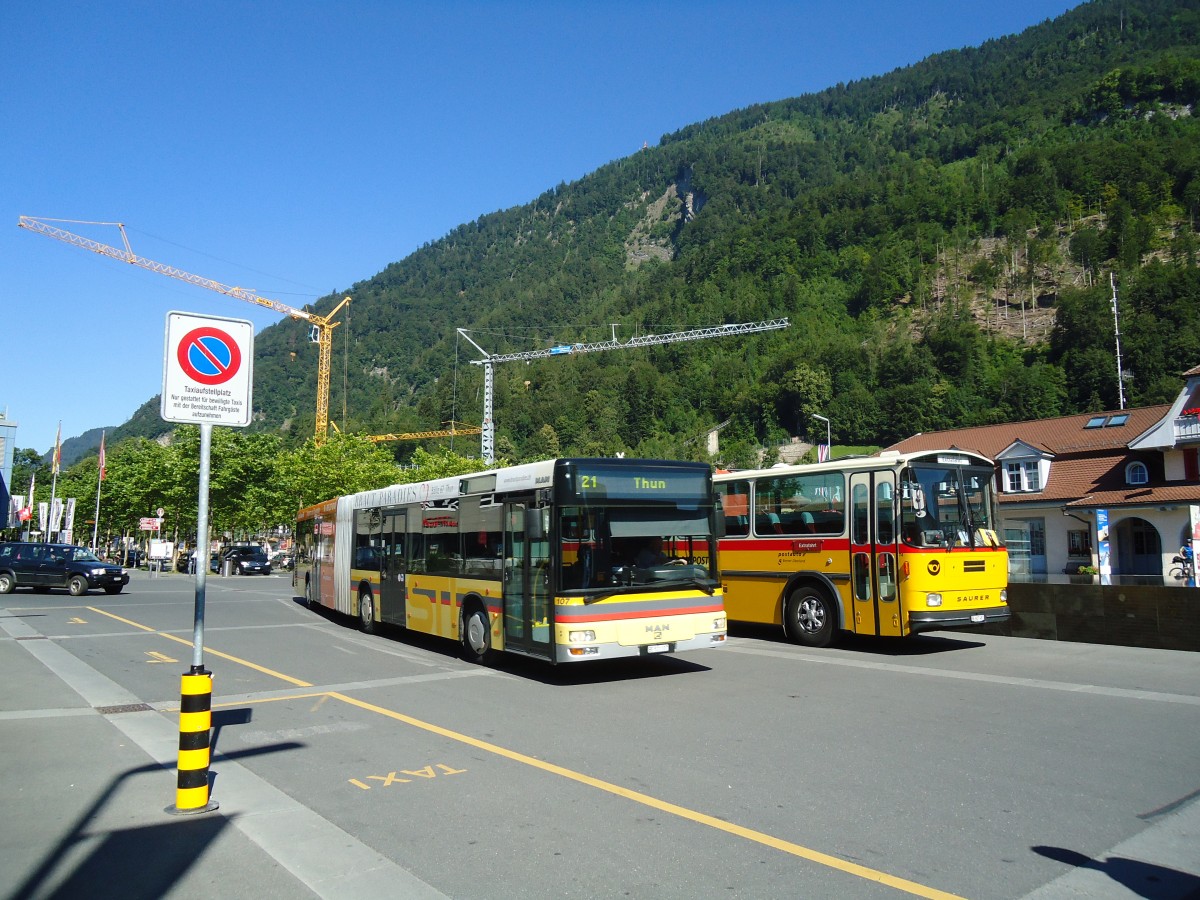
(488, 447)
(321, 332)
(455, 429)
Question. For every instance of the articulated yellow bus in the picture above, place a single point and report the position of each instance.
(893, 544)
(565, 560)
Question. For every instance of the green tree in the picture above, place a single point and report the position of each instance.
(344, 464)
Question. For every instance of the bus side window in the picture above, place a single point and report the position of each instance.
(735, 504)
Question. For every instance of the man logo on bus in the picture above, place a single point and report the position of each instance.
(934, 567)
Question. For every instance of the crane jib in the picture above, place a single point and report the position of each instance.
(323, 324)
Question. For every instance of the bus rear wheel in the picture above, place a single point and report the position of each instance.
(809, 617)
(476, 633)
(366, 612)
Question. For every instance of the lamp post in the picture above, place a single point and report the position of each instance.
(828, 438)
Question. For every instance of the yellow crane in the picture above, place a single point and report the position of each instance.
(322, 326)
(456, 428)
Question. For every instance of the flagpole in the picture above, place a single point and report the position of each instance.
(29, 508)
(54, 460)
(99, 484)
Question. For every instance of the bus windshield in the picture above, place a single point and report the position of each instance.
(947, 506)
(634, 547)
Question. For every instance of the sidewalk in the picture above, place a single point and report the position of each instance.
(89, 772)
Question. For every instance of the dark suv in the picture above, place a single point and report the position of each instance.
(247, 561)
(45, 566)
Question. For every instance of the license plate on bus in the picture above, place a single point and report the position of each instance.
(657, 648)
(977, 618)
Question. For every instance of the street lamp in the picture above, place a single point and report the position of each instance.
(828, 438)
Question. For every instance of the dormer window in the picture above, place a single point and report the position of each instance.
(1136, 473)
(1022, 476)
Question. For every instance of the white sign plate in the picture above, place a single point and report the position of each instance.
(208, 370)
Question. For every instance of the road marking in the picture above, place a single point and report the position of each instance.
(758, 837)
(75, 620)
(159, 657)
(394, 778)
(218, 653)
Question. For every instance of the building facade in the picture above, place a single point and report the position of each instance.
(1116, 493)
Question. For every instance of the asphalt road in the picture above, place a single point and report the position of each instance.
(383, 765)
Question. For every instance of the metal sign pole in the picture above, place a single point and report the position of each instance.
(195, 705)
(202, 550)
(208, 374)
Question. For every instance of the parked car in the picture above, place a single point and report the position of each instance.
(43, 566)
(247, 561)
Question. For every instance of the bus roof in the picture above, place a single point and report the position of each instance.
(888, 459)
(526, 476)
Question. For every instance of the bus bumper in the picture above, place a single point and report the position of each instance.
(570, 654)
(935, 620)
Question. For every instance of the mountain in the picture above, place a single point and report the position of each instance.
(941, 238)
(76, 448)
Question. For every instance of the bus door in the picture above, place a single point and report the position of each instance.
(393, 568)
(527, 619)
(873, 563)
(322, 563)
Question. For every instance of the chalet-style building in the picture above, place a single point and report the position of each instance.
(1117, 492)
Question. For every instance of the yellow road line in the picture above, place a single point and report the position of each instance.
(241, 662)
(758, 837)
(129, 622)
(910, 887)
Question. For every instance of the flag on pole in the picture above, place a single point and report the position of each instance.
(56, 462)
(102, 456)
(822, 452)
(27, 513)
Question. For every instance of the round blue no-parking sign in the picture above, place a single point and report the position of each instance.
(209, 355)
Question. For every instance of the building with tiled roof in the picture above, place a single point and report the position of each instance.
(1117, 491)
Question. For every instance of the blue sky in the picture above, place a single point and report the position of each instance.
(294, 148)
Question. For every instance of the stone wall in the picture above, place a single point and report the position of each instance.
(1166, 618)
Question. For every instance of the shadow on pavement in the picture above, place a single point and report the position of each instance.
(591, 672)
(1142, 878)
(133, 863)
(916, 645)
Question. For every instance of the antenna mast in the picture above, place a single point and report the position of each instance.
(1112, 281)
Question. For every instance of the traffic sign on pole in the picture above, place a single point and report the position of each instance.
(208, 370)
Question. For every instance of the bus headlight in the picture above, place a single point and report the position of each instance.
(933, 599)
(1004, 595)
(580, 637)
(719, 624)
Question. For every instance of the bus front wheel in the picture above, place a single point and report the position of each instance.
(809, 617)
(366, 612)
(476, 632)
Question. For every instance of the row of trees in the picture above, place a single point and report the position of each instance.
(255, 483)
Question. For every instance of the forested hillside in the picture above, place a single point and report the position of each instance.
(941, 237)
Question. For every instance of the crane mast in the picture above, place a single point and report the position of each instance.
(488, 442)
(323, 326)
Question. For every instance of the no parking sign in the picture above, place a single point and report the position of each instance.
(208, 370)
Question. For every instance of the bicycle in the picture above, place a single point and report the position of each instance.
(1184, 567)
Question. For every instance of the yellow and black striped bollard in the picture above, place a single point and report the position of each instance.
(195, 723)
